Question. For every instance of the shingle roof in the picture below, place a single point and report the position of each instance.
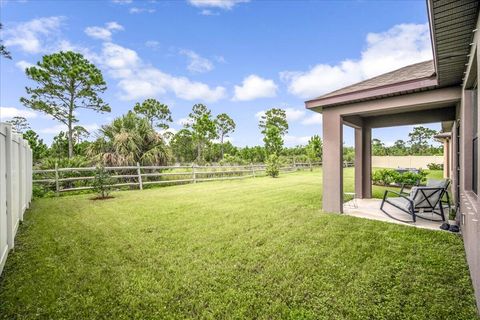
(415, 71)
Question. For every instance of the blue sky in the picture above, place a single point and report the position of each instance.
(236, 56)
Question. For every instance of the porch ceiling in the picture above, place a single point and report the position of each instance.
(439, 114)
(451, 26)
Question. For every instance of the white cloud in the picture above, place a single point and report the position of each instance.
(254, 87)
(292, 114)
(196, 62)
(220, 59)
(22, 65)
(98, 33)
(207, 12)
(140, 80)
(313, 119)
(402, 45)
(113, 25)
(221, 4)
(122, 1)
(153, 44)
(184, 121)
(55, 129)
(103, 33)
(10, 112)
(32, 36)
(91, 127)
(135, 10)
(296, 140)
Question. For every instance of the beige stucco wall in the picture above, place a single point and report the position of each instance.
(405, 161)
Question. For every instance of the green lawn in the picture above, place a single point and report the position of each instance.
(255, 248)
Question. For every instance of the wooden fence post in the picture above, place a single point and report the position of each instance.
(57, 183)
(310, 164)
(194, 176)
(253, 169)
(139, 172)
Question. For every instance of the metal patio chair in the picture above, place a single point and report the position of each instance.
(420, 199)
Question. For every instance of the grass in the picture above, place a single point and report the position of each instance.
(255, 248)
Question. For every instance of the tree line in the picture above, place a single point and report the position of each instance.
(66, 82)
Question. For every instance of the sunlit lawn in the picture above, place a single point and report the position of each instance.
(246, 249)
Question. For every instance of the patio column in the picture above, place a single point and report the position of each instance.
(363, 162)
(332, 161)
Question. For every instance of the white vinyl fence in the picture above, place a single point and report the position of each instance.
(405, 161)
(15, 186)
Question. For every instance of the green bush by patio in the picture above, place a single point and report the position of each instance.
(255, 248)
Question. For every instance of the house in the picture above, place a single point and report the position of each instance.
(442, 90)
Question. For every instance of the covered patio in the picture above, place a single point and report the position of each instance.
(370, 209)
(406, 96)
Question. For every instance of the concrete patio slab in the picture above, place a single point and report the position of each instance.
(370, 209)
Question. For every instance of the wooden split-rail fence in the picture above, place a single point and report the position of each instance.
(60, 180)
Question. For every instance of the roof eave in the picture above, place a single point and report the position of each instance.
(373, 93)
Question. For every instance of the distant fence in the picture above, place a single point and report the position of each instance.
(405, 161)
(15, 186)
(60, 180)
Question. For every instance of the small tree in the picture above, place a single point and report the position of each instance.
(274, 126)
(203, 128)
(273, 166)
(158, 114)
(66, 81)
(102, 183)
(314, 148)
(225, 125)
(19, 124)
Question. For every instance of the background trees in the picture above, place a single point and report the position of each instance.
(127, 140)
(419, 143)
(203, 128)
(158, 114)
(3, 50)
(183, 147)
(419, 139)
(224, 125)
(66, 81)
(314, 148)
(274, 126)
(39, 149)
(19, 124)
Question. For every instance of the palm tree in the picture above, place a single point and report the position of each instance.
(127, 140)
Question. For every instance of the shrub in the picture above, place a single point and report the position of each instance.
(435, 166)
(232, 160)
(273, 166)
(387, 176)
(411, 178)
(384, 176)
(102, 183)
